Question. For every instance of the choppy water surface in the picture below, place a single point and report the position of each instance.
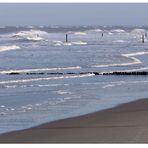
(43, 78)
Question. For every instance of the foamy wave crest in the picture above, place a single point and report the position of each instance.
(130, 55)
(94, 31)
(108, 85)
(119, 41)
(118, 31)
(32, 35)
(79, 43)
(48, 78)
(80, 33)
(37, 70)
(60, 43)
(98, 30)
(9, 47)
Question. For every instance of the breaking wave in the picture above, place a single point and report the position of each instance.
(32, 35)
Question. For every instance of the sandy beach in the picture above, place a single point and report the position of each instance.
(127, 123)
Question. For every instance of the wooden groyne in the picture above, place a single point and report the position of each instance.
(81, 73)
(127, 73)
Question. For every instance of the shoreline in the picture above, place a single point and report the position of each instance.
(125, 123)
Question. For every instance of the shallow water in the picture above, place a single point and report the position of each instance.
(28, 100)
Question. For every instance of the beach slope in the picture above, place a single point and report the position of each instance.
(127, 123)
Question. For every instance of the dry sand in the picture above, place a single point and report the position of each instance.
(127, 123)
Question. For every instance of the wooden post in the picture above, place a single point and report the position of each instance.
(66, 38)
(142, 38)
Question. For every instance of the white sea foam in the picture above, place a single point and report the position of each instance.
(2, 106)
(38, 104)
(114, 84)
(135, 54)
(12, 109)
(60, 43)
(8, 47)
(110, 33)
(67, 98)
(119, 41)
(130, 56)
(38, 70)
(57, 43)
(11, 86)
(67, 44)
(29, 108)
(108, 85)
(34, 38)
(38, 85)
(60, 92)
(30, 26)
(48, 78)
(93, 31)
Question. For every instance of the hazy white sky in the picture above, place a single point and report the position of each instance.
(74, 14)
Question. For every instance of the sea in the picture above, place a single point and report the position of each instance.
(44, 78)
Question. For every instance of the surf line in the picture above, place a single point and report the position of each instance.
(19, 71)
(129, 56)
(45, 79)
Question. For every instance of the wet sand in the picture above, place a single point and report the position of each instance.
(127, 123)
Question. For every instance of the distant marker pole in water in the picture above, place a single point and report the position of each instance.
(66, 38)
(146, 34)
(102, 34)
(142, 38)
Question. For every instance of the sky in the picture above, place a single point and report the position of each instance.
(73, 14)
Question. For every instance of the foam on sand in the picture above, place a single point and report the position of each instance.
(8, 47)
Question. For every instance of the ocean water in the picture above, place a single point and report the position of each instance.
(43, 78)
